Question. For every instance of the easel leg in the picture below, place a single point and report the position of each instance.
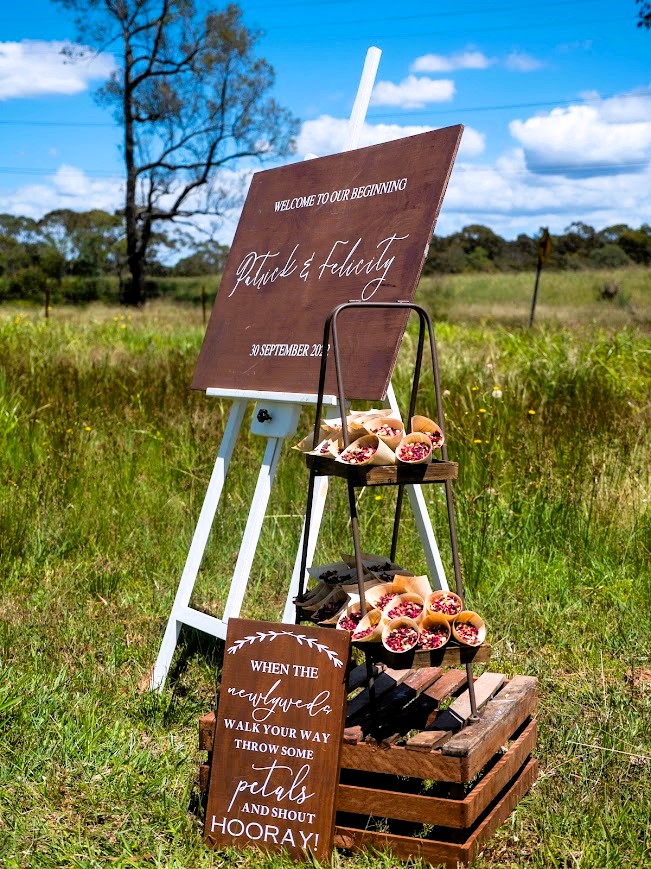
(316, 517)
(198, 545)
(423, 522)
(253, 528)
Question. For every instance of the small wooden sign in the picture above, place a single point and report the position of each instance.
(544, 246)
(313, 235)
(278, 738)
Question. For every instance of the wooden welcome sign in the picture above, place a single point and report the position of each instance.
(277, 744)
(313, 235)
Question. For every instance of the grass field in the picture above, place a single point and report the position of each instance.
(106, 456)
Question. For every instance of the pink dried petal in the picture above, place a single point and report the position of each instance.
(414, 452)
(402, 639)
(446, 604)
(387, 431)
(436, 438)
(408, 608)
(384, 600)
(468, 633)
(433, 637)
(350, 621)
(356, 455)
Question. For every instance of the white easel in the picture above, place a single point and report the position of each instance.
(275, 417)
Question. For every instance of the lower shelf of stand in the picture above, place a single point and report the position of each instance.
(384, 475)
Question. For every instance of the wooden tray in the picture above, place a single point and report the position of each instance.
(451, 655)
(385, 475)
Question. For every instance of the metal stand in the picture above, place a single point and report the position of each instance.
(353, 478)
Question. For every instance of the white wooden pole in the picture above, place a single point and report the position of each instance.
(253, 528)
(363, 98)
(316, 517)
(423, 522)
(198, 545)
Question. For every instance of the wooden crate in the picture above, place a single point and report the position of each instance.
(420, 780)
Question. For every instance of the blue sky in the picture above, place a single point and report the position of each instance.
(555, 96)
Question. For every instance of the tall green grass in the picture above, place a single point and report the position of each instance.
(106, 456)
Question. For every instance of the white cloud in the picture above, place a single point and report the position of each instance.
(520, 61)
(34, 68)
(614, 134)
(328, 135)
(68, 187)
(510, 198)
(412, 92)
(468, 59)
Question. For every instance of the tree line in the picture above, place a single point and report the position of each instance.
(478, 248)
(83, 256)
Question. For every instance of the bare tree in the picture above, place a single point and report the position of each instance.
(192, 99)
(644, 13)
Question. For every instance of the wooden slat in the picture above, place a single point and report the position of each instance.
(457, 813)
(495, 780)
(459, 712)
(358, 676)
(502, 716)
(453, 656)
(385, 475)
(485, 687)
(353, 735)
(425, 707)
(386, 680)
(503, 808)
(434, 851)
(398, 761)
(447, 685)
(393, 701)
(428, 740)
(206, 731)
(204, 777)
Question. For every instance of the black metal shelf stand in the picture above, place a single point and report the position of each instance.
(403, 476)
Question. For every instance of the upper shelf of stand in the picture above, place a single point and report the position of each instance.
(384, 475)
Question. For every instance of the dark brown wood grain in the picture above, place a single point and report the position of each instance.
(385, 681)
(289, 266)
(397, 760)
(451, 655)
(438, 851)
(422, 710)
(278, 737)
(515, 702)
(427, 740)
(206, 731)
(392, 703)
(441, 812)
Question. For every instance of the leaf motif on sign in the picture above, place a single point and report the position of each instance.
(260, 636)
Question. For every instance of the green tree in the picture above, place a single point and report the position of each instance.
(89, 241)
(644, 13)
(192, 99)
(208, 258)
